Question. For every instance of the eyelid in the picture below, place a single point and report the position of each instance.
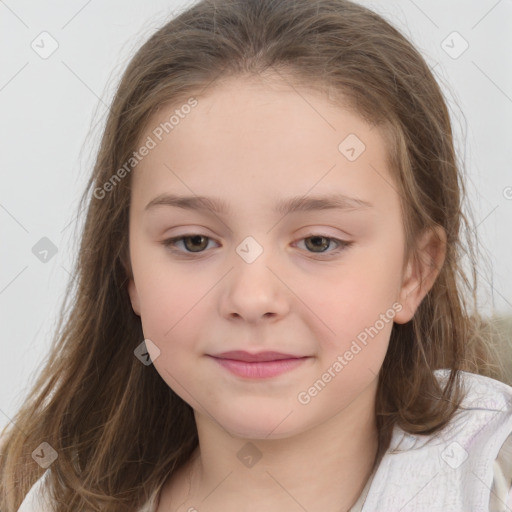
(170, 242)
(341, 244)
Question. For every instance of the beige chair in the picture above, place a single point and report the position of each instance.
(502, 334)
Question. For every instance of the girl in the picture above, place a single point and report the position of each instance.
(271, 311)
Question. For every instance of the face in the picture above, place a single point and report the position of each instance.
(321, 282)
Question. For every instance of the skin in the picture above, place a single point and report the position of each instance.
(252, 142)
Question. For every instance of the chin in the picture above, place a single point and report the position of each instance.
(259, 423)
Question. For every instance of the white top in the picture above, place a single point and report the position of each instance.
(467, 466)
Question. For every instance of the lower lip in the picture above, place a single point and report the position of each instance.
(260, 369)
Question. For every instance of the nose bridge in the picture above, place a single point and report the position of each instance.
(254, 290)
(252, 265)
(250, 250)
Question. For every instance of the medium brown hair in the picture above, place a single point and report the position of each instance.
(118, 429)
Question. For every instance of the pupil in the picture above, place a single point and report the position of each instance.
(196, 240)
(318, 241)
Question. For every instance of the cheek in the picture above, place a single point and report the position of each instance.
(354, 295)
(168, 302)
(165, 292)
(175, 305)
(352, 310)
(171, 309)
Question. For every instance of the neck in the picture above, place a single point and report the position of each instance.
(324, 468)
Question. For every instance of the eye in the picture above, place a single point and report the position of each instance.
(193, 243)
(320, 243)
(197, 243)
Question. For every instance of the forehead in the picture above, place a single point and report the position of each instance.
(246, 133)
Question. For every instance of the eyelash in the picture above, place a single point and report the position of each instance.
(170, 243)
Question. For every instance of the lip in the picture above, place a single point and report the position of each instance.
(261, 365)
(242, 355)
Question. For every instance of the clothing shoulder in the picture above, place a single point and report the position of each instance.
(483, 424)
(501, 492)
(494, 398)
(462, 461)
(37, 499)
(484, 392)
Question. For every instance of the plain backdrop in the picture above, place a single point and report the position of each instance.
(53, 107)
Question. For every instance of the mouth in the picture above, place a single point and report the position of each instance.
(260, 365)
(242, 355)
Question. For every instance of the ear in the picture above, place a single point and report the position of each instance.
(421, 271)
(134, 296)
(132, 289)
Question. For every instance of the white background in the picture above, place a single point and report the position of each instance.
(53, 109)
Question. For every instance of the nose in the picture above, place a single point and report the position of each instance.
(255, 291)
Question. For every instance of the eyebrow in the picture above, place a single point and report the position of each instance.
(283, 207)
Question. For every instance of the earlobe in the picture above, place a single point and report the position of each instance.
(132, 289)
(421, 272)
(134, 296)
